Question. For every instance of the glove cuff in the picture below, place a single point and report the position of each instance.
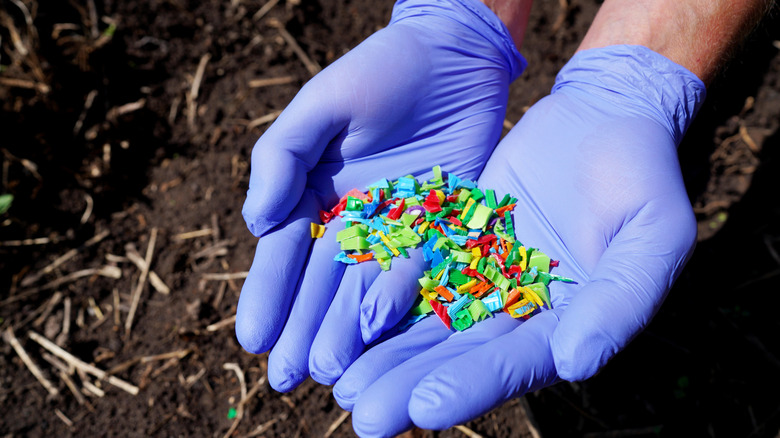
(658, 87)
(474, 15)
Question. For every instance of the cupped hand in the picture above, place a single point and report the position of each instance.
(431, 88)
(594, 167)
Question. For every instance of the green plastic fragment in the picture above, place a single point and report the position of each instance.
(422, 308)
(480, 217)
(385, 263)
(355, 243)
(540, 260)
(541, 290)
(461, 256)
(232, 412)
(479, 311)
(508, 224)
(464, 196)
(5, 202)
(354, 204)
(526, 279)
(458, 278)
(481, 265)
(498, 229)
(408, 219)
(411, 201)
(462, 320)
(358, 230)
(504, 201)
(379, 251)
(490, 198)
(477, 194)
(403, 252)
(427, 282)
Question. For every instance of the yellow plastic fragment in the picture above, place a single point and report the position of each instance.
(531, 295)
(386, 241)
(423, 227)
(428, 295)
(467, 286)
(317, 230)
(523, 258)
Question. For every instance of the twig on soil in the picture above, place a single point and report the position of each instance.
(270, 117)
(528, 417)
(310, 65)
(508, 125)
(117, 111)
(178, 354)
(193, 234)
(11, 339)
(267, 82)
(48, 307)
(335, 425)
(141, 282)
(87, 105)
(29, 280)
(192, 96)
(92, 389)
(564, 11)
(81, 365)
(88, 209)
(117, 316)
(24, 83)
(105, 271)
(73, 389)
(63, 336)
(64, 418)
(226, 276)
(468, 432)
(264, 10)
(240, 409)
(227, 322)
(140, 263)
(259, 430)
(26, 242)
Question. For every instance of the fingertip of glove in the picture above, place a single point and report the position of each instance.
(325, 370)
(424, 405)
(576, 359)
(250, 336)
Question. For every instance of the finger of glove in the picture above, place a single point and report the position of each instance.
(288, 150)
(383, 408)
(626, 288)
(268, 289)
(385, 356)
(509, 365)
(390, 296)
(339, 342)
(288, 362)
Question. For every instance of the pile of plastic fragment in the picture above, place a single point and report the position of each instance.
(477, 267)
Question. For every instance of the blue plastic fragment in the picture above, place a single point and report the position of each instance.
(457, 305)
(342, 257)
(493, 302)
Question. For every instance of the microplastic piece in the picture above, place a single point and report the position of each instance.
(317, 230)
(467, 240)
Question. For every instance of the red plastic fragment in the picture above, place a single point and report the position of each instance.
(473, 273)
(441, 312)
(554, 263)
(455, 221)
(484, 240)
(382, 206)
(395, 213)
(452, 199)
(432, 204)
(325, 216)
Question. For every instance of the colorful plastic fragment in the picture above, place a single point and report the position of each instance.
(476, 267)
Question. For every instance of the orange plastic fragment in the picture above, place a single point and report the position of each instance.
(480, 289)
(500, 211)
(355, 193)
(361, 257)
(444, 292)
(512, 298)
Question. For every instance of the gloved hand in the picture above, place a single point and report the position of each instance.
(431, 88)
(594, 167)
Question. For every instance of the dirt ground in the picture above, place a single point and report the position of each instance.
(130, 123)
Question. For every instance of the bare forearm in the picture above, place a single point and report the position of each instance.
(697, 34)
(514, 14)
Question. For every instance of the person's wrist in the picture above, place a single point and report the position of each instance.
(475, 16)
(514, 14)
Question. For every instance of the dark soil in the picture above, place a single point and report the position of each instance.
(101, 132)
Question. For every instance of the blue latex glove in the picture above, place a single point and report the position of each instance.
(431, 88)
(594, 166)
